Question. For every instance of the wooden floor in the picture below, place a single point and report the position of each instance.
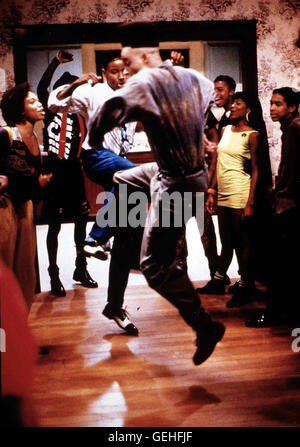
(95, 376)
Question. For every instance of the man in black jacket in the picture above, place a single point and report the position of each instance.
(283, 304)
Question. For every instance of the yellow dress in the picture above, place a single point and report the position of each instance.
(233, 181)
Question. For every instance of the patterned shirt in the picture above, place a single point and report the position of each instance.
(65, 143)
(21, 167)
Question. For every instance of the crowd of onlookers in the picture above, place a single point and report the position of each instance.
(256, 220)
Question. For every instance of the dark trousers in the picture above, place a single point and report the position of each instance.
(65, 199)
(159, 243)
(283, 291)
(125, 253)
(79, 237)
(209, 242)
(235, 234)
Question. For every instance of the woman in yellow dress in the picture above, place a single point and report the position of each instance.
(234, 186)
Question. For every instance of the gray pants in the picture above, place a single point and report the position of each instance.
(159, 244)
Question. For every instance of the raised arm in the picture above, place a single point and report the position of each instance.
(69, 89)
(62, 57)
(74, 97)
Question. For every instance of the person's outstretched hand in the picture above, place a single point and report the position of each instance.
(64, 56)
(177, 58)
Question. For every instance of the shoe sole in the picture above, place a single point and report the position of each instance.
(98, 255)
(87, 286)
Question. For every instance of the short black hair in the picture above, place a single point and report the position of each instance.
(12, 104)
(104, 58)
(245, 96)
(228, 79)
(290, 95)
(108, 60)
(138, 34)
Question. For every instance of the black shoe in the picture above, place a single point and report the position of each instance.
(82, 275)
(241, 296)
(257, 294)
(268, 319)
(121, 318)
(214, 287)
(234, 287)
(206, 342)
(95, 252)
(57, 288)
(226, 279)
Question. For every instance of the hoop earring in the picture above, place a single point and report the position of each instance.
(247, 116)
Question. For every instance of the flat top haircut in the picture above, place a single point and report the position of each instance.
(228, 79)
(138, 34)
(12, 104)
(290, 95)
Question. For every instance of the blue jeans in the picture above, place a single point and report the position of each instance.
(100, 165)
